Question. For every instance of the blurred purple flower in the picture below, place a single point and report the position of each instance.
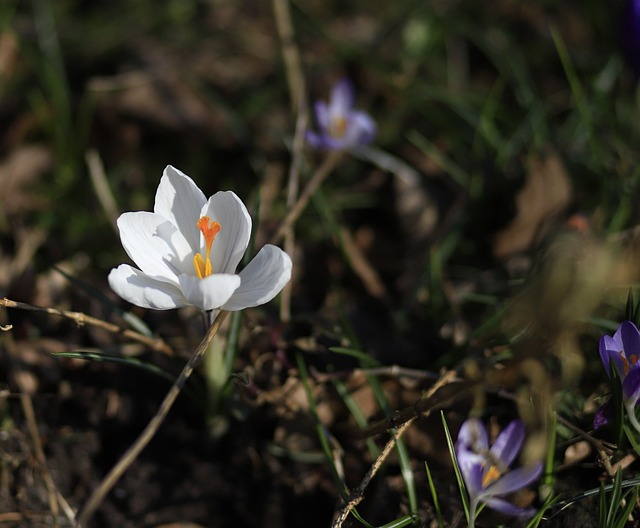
(624, 350)
(340, 126)
(486, 471)
(630, 34)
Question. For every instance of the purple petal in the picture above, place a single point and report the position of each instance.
(340, 127)
(322, 116)
(471, 445)
(623, 347)
(508, 443)
(610, 349)
(630, 34)
(471, 467)
(473, 434)
(324, 141)
(342, 99)
(631, 386)
(507, 508)
(630, 338)
(319, 141)
(361, 129)
(514, 480)
(603, 415)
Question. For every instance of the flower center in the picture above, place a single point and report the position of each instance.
(203, 264)
(625, 362)
(338, 126)
(491, 476)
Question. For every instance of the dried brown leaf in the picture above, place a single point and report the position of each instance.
(546, 194)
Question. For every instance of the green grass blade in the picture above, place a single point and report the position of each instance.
(535, 521)
(576, 89)
(407, 475)
(322, 435)
(405, 520)
(616, 496)
(434, 496)
(130, 362)
(632, 498)
(456, 468)
(457, 173)
(401, 448)
(357, 414)
(548, 478)
(602, 510)
(320, 429)
(366, 361)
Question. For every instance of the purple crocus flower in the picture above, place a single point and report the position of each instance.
(486, 470)
(630, 34)
(340, 126)
(624, 350)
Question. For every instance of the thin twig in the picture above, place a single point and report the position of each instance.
(603, 451)
(290, 52)
(329, 163)
(30, 417)
(292, 193)
(362, 267)
(452, 391)
(297, 92)
(358, 493)
(154, 343)
(55, 497)
(151, 429)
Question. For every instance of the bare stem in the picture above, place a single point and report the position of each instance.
(81, 319)
(149, 432)
(330, 163)
(358, 493)
(290, 52)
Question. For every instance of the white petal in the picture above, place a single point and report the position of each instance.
(155, 245)
(262, 279)
(142, 290)
(231, 242)
(179, 200)
(211, 292)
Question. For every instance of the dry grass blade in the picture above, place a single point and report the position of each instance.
(330, 163)
(101, 186)
(290, 52)
(53, 496)
(362, 267)
(81, 319)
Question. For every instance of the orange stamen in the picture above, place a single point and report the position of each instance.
(338, 127)
(491, 476)
(625, 362)
(203, 264)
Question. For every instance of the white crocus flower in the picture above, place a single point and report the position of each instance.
(188, 249)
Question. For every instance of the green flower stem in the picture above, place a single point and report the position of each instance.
(216, 376)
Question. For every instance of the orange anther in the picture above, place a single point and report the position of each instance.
(491, 476)
(625, 362)
(338, 127)
(209, 229)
